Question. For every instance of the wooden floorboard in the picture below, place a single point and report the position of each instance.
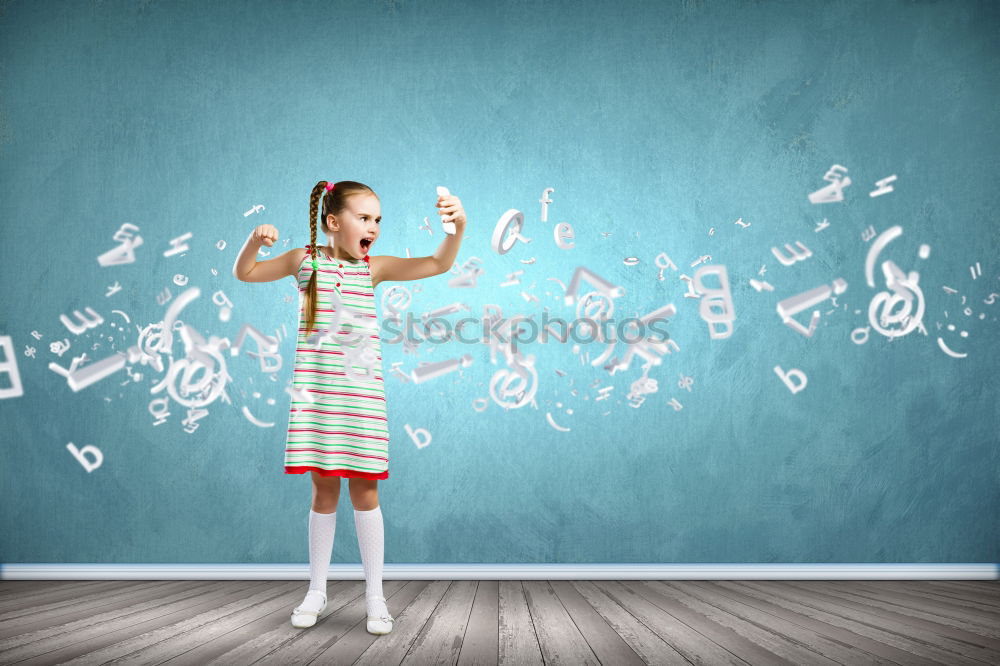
(490, 622)
(481, 643)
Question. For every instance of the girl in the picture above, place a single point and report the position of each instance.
(341, 430)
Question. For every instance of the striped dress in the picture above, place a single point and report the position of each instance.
(344, 430)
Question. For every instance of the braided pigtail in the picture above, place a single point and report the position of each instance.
(310, 298)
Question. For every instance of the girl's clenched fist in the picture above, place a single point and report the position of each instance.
(265, 234)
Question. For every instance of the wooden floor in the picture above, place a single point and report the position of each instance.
(505, 622)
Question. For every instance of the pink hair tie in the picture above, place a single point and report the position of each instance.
(330, 186)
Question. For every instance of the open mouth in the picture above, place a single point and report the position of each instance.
(365, 244)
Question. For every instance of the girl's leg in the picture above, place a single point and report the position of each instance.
(322, 528)
(371, 540)
(325, 493)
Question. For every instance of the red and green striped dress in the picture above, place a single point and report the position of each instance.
(344, 431)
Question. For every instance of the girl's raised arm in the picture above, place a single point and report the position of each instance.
(248, 269)
(388, 268)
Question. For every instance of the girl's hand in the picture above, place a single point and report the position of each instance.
(450, 209)
(265, 234)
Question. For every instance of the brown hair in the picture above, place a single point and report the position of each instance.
(334, 202)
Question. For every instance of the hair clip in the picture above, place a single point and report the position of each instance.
(330, 186)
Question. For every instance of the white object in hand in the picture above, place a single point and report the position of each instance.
(449, 227)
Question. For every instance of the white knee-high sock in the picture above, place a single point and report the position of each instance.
(322, 527)
(371, 543)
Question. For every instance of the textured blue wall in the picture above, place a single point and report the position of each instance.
(653, 122)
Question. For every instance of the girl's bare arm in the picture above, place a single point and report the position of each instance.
(248, 269)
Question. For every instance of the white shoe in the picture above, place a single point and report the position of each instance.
(304, 615)
(380, 625)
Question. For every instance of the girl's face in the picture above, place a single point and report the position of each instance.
(357, 227)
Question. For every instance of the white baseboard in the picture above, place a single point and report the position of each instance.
(831, 571)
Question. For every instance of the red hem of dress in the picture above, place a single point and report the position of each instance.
(338, 472)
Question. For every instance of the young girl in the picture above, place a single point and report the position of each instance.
(341, 430)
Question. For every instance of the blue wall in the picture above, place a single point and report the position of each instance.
(661, 124)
